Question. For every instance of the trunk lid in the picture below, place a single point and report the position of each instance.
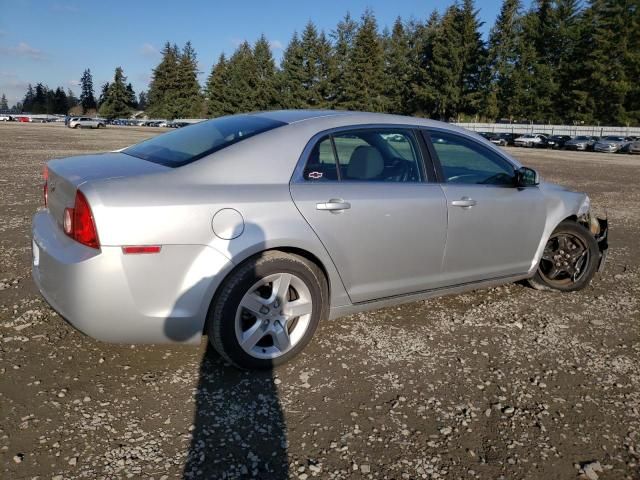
(67, 174)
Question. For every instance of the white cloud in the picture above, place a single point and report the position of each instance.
(276, 45)
(149, 50)
(73, 83)
(64, 8)
(23, 50)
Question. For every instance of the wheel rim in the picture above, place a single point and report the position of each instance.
(273, 316)
(564, 259)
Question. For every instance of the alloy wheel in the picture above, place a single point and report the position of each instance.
(273, 316)
(564, 259)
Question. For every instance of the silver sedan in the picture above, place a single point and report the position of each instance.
(253, 228)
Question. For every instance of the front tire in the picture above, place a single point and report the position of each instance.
(267, 310)
(569, 260)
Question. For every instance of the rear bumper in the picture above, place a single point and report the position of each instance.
(158, 298)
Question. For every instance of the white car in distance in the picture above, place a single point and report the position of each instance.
(86, 122)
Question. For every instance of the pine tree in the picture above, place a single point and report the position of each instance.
(343, 38)
(104, 91)
(216, 92)
(142, 101)
(473, 57)
(163, 84)
(604, 75)
(3, 103)
(503, 38)
(116, 103)
(366, 68)
(60, 101)
(132, 101)
(40, 99)
(326, 89)
(292, 75)
(398, 70)
(87, 98)
(631, 61)
(72, 101)
(266, 92)
(186, 101)
(242, 80)
(422, 38)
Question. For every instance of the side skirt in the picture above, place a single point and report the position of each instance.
(341, 311)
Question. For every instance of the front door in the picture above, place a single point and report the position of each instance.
(382, 224)
(494, 227)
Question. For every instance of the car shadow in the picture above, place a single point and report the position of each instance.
(238, 428)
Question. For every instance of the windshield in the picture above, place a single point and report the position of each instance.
(614, 139)
(193, 142)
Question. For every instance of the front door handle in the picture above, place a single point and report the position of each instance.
(333, 205)
(464, 202)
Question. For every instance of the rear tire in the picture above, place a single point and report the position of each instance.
(252, 321)
(569, 261)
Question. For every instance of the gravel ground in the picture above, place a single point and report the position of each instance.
(502, 383)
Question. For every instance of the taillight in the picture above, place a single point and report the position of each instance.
(45, 187)
(79, 224)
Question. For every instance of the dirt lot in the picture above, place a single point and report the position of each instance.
(502, 383)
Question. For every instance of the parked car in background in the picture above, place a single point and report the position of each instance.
(557, 141)
(24, 119)
(531, 140)
(86, 122)
(5, 117)
(610, 144)
(632, 147)
(581, 142)
(503, 139)
(254, 228)
(486, 135)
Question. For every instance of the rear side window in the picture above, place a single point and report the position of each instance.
(193, 142)
(385, 155)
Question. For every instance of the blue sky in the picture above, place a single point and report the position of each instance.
(53, 41)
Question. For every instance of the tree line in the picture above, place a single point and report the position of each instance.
(558, 61)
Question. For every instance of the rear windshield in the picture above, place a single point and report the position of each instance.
(193, 142)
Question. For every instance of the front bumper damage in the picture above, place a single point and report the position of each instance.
(599, 227)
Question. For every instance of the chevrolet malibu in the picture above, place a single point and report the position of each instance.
(254, 228)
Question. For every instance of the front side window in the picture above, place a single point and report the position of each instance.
(465, 161)
(191, 143)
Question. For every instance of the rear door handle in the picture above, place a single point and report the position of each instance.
(335, 204)
(464, 202)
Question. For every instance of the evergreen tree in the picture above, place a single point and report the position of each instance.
(503, 38)
(72, 101)
(40, 99)
(186, 101)
(601, 85)
(216, 92)
(3, 103)
(163, 84)
(87, 98)
(398, 70)
(631, 61)
(142, 101)
(116, 103)
(326, 69)
(103, 93)
(266, 92)
(366, 68)
(60, 101)
(422, 38)
(473, 57)
(242, 80)
(292, 75)
(132, 101)
(343, 38)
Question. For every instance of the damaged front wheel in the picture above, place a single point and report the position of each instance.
(569, 260)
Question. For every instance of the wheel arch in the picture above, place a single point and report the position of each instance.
(301, 252)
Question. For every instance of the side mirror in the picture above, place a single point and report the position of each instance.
(527, 177)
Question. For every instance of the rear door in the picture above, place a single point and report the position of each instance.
(494, 228)
(364, 192)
